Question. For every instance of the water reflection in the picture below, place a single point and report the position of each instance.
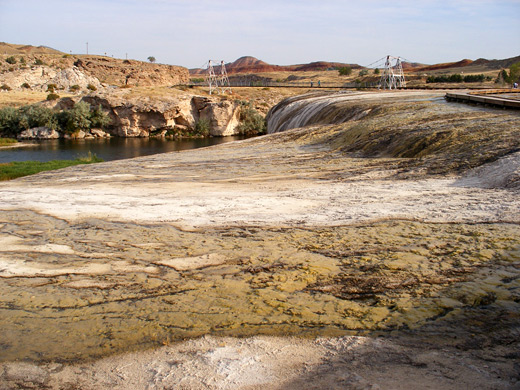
(107, 149)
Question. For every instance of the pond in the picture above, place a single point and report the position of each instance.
(106, 148)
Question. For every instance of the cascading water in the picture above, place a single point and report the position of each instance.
(313, 109)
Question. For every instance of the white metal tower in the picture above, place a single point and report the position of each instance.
(219, 83)
(393, 76)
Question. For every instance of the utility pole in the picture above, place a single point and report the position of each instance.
(219, 83)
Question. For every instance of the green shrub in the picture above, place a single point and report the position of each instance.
(99, 118)
(74, 88)
(78, 118)
(345, 71)
(51, 87)
(91, 87)
(38, 62)
(197, 80)
(9, 122)
(376, 71)
(456, 78)
(364, 72)
(5, 87)
(22, 60)
(202, 127)
(11, 60)
(251, 122)
(53, 96)
(26, 85)
(7, 141)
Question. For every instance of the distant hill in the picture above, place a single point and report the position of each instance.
(12, 49)
(250, 64)
(481, 62)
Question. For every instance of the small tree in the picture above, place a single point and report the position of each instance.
(98, 118)
(376, 71)
(75, 119)
(151, 59)
(345, 71)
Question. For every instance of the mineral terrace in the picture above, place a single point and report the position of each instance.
(378, 249)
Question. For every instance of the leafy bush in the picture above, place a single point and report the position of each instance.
(98, 118)
(91, 87)
(51, 87)
(11, 60)
(376, 71)
(22, 60)
(26, 85)
(38, 62)
(53, 96)
(77, 118)
(197, 80)
(364, 72)
(345, 71)
(80, 117)
(202, 127)
(5, 87)
(74, 88)
(37, 116)
(9, 121)
(151, 59)
(251, 122)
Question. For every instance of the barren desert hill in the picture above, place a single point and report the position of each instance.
(249, 64)
(13, 49)
(465, 63)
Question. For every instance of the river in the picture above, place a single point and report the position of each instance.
(108, 149)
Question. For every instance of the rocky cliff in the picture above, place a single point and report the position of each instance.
(145, 116)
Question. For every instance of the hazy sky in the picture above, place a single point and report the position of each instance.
(282, 32)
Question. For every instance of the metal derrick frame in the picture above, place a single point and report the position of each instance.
(393, 75)
(219, 83)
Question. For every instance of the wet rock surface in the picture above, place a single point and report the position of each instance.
(391, 275)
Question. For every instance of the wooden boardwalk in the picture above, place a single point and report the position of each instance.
(507, 98)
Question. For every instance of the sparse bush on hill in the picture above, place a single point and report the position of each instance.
(364, 72)
(74, 88)
(376, 71)
(38, 62)
(91, 87)
(53, 96)
(11, 60)
(5, 87)
(51, 87)
(26, 86)
(151, 59)
(345, 71)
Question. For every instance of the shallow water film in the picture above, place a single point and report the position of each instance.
(82, 290)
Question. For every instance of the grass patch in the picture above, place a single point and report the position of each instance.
(7, 141)
(12, 170)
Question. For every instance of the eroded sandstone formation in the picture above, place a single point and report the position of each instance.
(142, 117)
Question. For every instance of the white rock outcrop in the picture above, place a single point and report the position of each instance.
(39, 133)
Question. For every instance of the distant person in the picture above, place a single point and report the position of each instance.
(312, 84)
(319, 83)
(515, 85)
